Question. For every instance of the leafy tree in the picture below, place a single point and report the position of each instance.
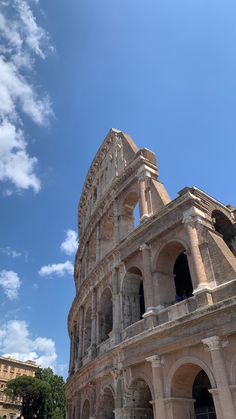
(55, 403)
(33, 393)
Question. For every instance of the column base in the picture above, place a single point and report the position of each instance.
(203, 297)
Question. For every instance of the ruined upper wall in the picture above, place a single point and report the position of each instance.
(116, 152)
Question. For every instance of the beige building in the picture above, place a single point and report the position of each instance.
(153, 323)
(10, 368)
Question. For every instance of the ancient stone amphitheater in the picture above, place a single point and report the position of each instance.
(153, 322)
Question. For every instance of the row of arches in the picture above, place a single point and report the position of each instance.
(190, 384)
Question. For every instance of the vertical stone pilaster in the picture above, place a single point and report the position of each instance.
(143, 201)
(158, 385)
(190, 219)
(94, 322)
(116, 305)
(214, 345)
(147, 280)
(116, 222)
(98, 242)
(81, 334)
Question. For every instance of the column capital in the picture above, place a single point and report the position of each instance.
(156, 361)
(193, 215)
(214, 343)
(144, 247)
(145, 174)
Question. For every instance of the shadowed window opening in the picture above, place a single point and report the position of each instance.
(204, 404)
(183, 283)
(141, 300)
(226, 229)
(106, 315)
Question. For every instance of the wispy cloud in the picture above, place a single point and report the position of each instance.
(58, 269)
(10, 252)
(10, 282)
(16, 341)
(70, 244)
(22, 40)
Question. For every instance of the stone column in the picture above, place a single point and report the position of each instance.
(158, 385)
(92, 401)
(214, 345)
(116, 222)
(71, 353)
(81, 335)
(116, 305)
(94, 322)
(77, 405)
(147, 280)
(190, 219)
(142, 192)
(86, 260)
(98, 242)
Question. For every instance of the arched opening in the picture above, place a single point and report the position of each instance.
(228, 231)
(140, 406)
(107, 406)
(133, 297)
(204, 405)
(106, 315)
(130, 215)
(107, 235)
(191, 384)
(86, 410)
(173, 274)
(183, 283)
(87, 330)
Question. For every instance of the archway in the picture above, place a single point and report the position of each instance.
(190, 393)
(105, 315)
(130, 217)
(133, 297)
(86, 410)
(183, 283)
(140, 406)
(107, 235)
(107, 405)
(174, 278)
(87, 330)
(224, 226)
(204, 405)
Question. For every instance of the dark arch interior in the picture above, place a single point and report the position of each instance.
(141, 300)
(204, 404)
(86, 410)
(183, 282)
(106, 316)
(108, 405)
(225, 228)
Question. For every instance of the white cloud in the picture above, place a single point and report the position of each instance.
(16, 341)
(70, 244)
(10, 252)
(10, 282)
(21, 40)
(58, 269)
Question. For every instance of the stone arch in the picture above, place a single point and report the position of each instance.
(139, 401)
(129, 218)
(186, 363)
(173, 273)
(87, 329)
(106, 234)
(225, 227)
(189, 381)
(133, 304)
(105, 314)
(107, 403)
(86, 410)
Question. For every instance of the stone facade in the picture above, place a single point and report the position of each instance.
(10, 368)
(153, 322)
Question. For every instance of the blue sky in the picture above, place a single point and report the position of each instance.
(69, 71)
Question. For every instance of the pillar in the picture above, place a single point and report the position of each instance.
(94, 322)
(190, 219)
(98, 242)
(81, 334)
(116, 222)
(116, 305)
(158, 385)
(214, 345)
(142, 192)
(147, 280)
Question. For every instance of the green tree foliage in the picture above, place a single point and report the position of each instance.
(33, 393)
(55, 403)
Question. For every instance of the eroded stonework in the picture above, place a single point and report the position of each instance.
(153, 323)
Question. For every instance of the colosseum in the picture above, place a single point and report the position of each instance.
(153, 322)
